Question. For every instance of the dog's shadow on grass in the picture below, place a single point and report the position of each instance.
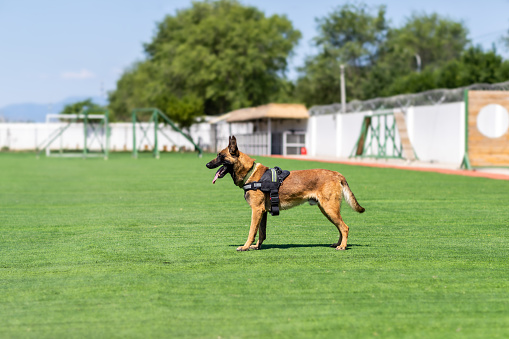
(287, 246)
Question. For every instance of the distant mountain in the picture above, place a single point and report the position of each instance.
(29, 112)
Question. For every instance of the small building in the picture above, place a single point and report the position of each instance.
(264, 130)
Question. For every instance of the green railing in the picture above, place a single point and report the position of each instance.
(378, 129)
(155, 116)
(465, 163)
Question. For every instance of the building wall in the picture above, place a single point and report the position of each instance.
(252, 137)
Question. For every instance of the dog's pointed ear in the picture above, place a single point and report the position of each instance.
(232, 146)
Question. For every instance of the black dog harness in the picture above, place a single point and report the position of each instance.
(269, 183)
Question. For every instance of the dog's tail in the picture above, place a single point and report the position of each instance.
(349, 197)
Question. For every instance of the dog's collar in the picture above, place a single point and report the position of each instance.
(248, 175)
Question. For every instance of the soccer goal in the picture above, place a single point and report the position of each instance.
(76, 135)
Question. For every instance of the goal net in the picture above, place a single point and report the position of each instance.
(76, 135)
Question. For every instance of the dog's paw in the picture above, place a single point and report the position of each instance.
(340, 248)
(242, 249)
(255, 247)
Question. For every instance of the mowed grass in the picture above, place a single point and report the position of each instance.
(146, 248)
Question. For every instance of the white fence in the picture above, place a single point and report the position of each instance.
(437, 134)
(30, 136)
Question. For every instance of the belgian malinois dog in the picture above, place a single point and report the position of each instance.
(317, 186)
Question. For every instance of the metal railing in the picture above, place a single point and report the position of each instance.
(155, 115)
(403, 101)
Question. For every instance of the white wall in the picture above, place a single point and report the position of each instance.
(436, 132)
(323, 136)
(333, 135)
(28, 136)
(349, 132)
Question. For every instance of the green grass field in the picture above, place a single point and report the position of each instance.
(146, 248)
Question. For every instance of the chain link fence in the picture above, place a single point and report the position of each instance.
(403, 101)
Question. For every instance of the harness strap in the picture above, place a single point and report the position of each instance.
(276, 177)
(274, 193)
(248, 175)
(252, 186)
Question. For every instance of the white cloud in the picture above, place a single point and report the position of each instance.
(83, 74)
(117, 71)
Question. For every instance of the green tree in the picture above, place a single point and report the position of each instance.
(319, 81)
(211, 58)
(78, 106)
(134, 90)
(425, 42)
(352, 35)
(380, 60)
(473, 66)
(433, 38)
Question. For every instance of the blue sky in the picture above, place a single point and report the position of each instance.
(53, 49)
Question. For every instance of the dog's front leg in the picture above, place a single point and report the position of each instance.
(262, 232)
(256, 218)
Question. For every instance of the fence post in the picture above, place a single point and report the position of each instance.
(135, 149)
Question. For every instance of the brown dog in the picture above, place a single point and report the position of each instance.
(318, 186)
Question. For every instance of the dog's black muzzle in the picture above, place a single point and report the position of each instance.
(213, 164)
(221, 172)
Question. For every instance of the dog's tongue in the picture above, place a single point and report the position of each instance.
(221, 172)
(218, 174)
(215, 178)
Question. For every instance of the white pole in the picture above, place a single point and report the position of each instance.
(418, 61)
(269, 137)
(343, 89)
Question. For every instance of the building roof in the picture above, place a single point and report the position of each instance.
(273, 111)
(219, 118)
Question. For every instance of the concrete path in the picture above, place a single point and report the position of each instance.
(491, 173)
